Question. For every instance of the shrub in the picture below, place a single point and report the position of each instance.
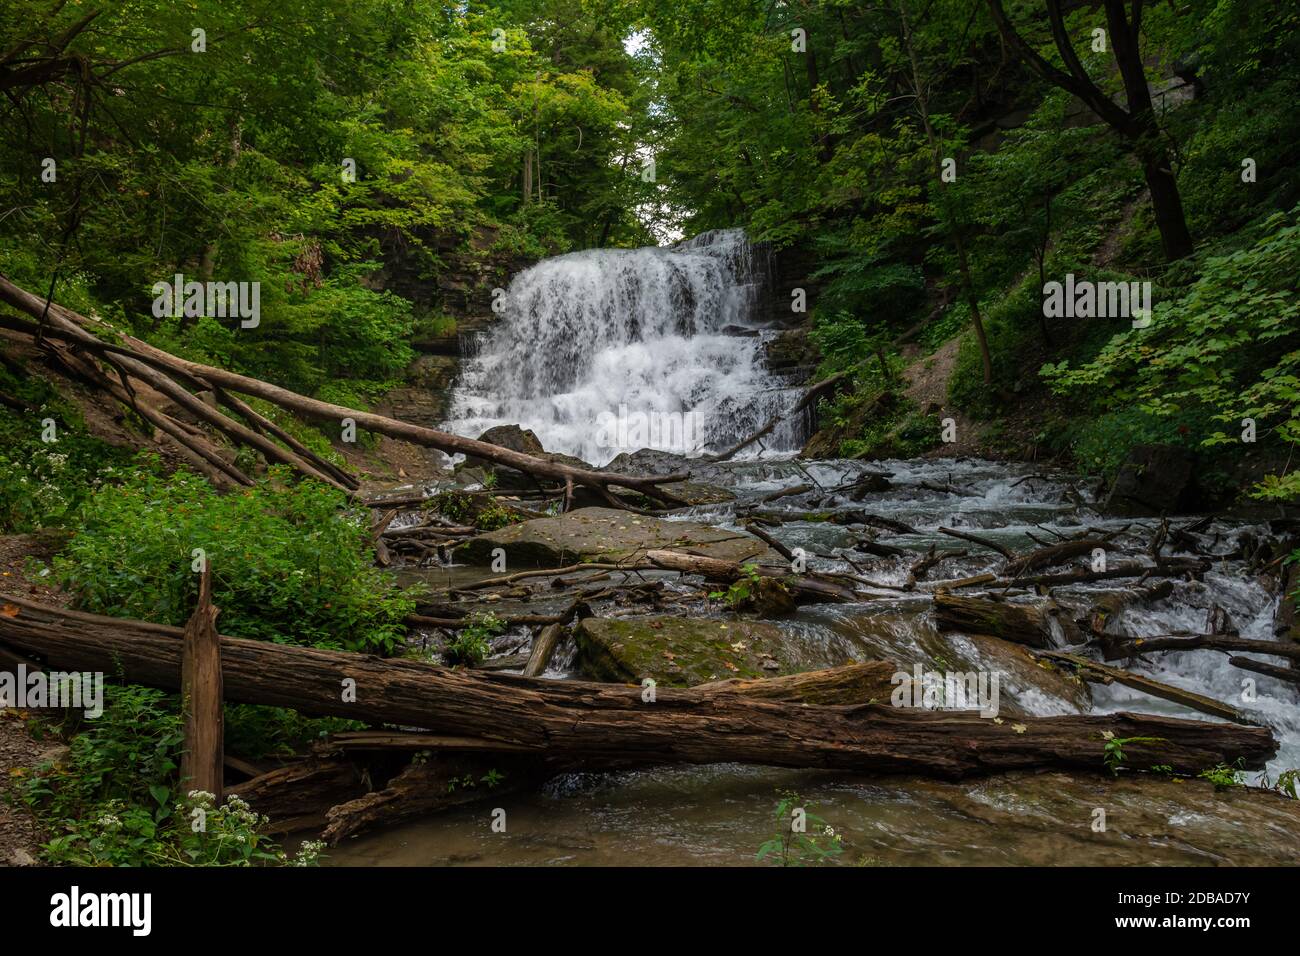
(288, 563)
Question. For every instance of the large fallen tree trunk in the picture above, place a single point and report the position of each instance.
(146, 362)
(583, 721)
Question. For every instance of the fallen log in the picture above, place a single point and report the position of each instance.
(754, 528)
(1020, 623)
(1269, 670)
(849, 684)
(1053, 554)
(1108, 608)
(1168, 567)
(449, 777)
(548, 639)
(785, 493)
(983, 542)
(145, 360)
(1101, 673)
(581, 721)
(298, 796)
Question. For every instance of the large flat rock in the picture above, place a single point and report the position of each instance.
(607, 534)
(680, 651)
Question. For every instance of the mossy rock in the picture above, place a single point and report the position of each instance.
(679, 651)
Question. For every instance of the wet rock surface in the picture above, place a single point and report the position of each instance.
(607, 534)
(681, 651)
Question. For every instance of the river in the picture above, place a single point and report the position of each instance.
(681, 332)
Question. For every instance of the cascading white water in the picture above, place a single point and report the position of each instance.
(612, 350)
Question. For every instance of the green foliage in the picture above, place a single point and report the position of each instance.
(229, 164)
(743, 590)
(103, 816)
(42, 484)
(1223, 776)
(802, 838)
(1227, 350)
(288, 563)
(472, 643)
(1100, 443)
(1288, 783)
(1113, 755)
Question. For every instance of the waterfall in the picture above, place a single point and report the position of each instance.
(611, 350)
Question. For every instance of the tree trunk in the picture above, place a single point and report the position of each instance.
(1167, 205)
(1022, 624)
(580, 721)
(202, 764)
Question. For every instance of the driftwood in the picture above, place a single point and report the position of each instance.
(1289, 675)
(1107, 608)
(1117, 647)
(298, 796)
(587, 722)
(1053, 554)
(983, 542)
(1169, 567)
(539, 655)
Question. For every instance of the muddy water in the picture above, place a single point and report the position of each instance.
(719, 815)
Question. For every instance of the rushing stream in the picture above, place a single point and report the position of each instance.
(721, 814)
(677, 332)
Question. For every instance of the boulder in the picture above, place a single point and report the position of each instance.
(512, 437)
(516, 439)
(1153, 480)
(608, 534)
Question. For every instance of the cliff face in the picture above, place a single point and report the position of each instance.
(450, 283)
(790, 354)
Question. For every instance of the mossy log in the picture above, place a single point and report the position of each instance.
(1023, 624)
